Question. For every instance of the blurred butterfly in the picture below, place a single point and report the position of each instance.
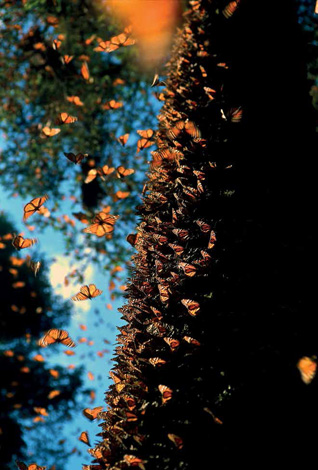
(20, 243)
(81, 217)
(66, 59)
(35, 266)
(114, 43)
(307, 367)
(145, 140)
(121, 171)
(132, 238)
(84, 438)
(76, 158)
(123, 139)
(33, 206)
(32, 466)
(230, 9)
(102, 224)
(48, 132)
(192, 341)
(56, 336)
(65, 118)
(87, 292)
(85, 71)
(100, 171)
(75, 100)
(92, 413)
(112, 104)
(172, 342)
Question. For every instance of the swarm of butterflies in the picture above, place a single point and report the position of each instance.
(176, 244)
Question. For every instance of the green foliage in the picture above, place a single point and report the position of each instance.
(35, 82)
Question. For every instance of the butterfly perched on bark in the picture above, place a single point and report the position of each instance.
(20, 243)
(33, 206)
(87, 292)
(56, 335)
(145, 140)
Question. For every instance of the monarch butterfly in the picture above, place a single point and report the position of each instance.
(192, 306)
(76, 158)
(178, 249)
(307, 367)
(161, 239)
(132, 238)
(230, 9)
(157, 361)
(35, 266)
(181, 233)
(212, 240)
(173, 343)
(122, 171)
(115, 42)
(204, 227)
(166, 393)
(56, 44)
(85, 71)
(20, 243)
(122, 139)
(56, 336)
(87, 292)
(32, 466)
(178, 442)
(65, 118)
(84, 438)
(145, 140)
(101, 171)
(48, 132)
(188, 126)
(120, 195)
(75, 100)
(235, 114)
(133, 461)
(66, 59)
(191, 340)
(92, 413)
(33, 206)
(102, 224)
(157, 82)
(112, 104)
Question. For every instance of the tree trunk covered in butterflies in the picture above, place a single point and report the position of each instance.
(218, 304)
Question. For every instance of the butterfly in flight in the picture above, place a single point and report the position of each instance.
(34, 206)
(87, 292)
(102, 224)
(307, 367)
(76, 158)
(56, 336)
(20, 243)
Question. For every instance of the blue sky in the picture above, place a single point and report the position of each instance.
(101, 324)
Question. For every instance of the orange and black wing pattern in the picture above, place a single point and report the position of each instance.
(33, 206)
(20, 243)
(87, 292)
(56, 335)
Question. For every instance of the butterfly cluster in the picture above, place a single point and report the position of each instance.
(176, 246)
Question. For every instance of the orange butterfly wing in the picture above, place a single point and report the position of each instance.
(85, 71)
(93, 291)
(307, 368)
(33, 206)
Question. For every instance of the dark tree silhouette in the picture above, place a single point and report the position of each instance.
(219, 301)
(28, 308)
